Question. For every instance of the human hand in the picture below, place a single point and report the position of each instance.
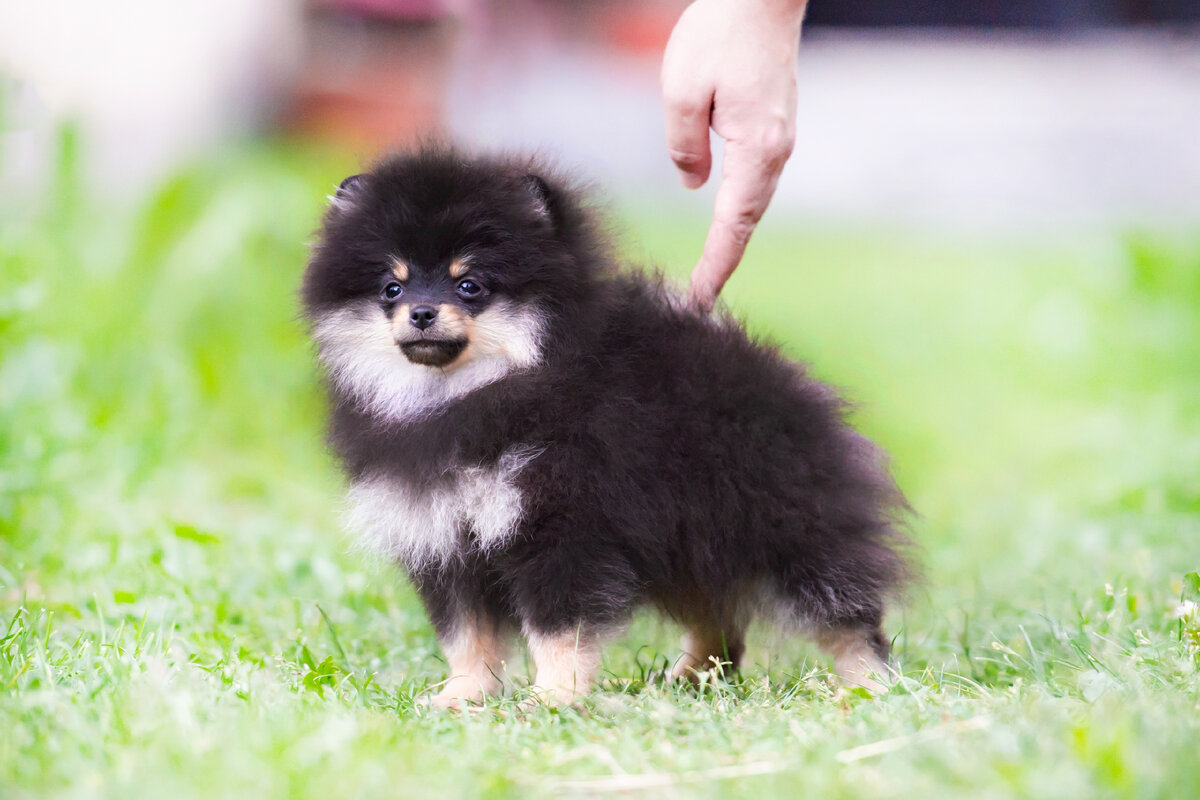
(731, 65)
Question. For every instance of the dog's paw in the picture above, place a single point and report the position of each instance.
(870, 685)
(448, 701)
(551, 697)
(689, 669)
(867, 673)
(460, 693)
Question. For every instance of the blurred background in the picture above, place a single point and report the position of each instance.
(1038, 112)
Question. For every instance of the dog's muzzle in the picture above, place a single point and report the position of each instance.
(433, 352)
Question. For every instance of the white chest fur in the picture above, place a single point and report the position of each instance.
(423, 526)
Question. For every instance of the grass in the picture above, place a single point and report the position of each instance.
(180, 617)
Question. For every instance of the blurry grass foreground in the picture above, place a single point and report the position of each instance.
(179, 616)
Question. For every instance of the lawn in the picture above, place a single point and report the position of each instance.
(181, 617)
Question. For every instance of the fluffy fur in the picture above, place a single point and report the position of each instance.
(546, 442)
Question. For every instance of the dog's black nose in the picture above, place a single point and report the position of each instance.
(422, 316)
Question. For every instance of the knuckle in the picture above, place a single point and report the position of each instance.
(684, 105)
(776, 141)
(686, 158)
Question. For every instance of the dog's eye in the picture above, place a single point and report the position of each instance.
(392, 291)
(469, 288)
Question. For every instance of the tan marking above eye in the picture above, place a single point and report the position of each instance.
(458, 268)
(400, 270)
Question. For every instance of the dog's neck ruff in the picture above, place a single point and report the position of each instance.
(357, 348)
(420, 526)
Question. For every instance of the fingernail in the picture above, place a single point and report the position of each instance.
(691, 180)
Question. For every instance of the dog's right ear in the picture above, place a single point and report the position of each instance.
(346, 192)
(545, 204)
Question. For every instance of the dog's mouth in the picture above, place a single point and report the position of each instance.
(433, 352)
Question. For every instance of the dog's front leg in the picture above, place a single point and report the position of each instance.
(476, 649)
(566, 663)
(572, 587)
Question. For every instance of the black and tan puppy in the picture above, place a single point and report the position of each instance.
(546, 442)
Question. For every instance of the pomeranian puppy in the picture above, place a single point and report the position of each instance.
(546, 442)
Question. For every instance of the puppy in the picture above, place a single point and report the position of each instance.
(546, 442)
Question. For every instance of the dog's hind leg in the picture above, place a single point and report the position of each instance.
(705, 645)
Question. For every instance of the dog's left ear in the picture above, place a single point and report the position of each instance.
(346, 192)
(545, 205)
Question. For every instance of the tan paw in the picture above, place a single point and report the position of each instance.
(864, 671)
(863, 682)
(459, 693)
(689, 668)
(552, 697)
(446, 701)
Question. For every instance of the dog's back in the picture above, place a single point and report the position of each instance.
(721, 480)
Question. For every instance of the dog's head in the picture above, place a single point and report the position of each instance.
(436, 275)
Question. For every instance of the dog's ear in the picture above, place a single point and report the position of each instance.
(545, 204)
(346, 192)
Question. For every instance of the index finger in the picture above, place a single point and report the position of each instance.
(747, 184)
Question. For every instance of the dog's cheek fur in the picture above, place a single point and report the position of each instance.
(357, 346)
